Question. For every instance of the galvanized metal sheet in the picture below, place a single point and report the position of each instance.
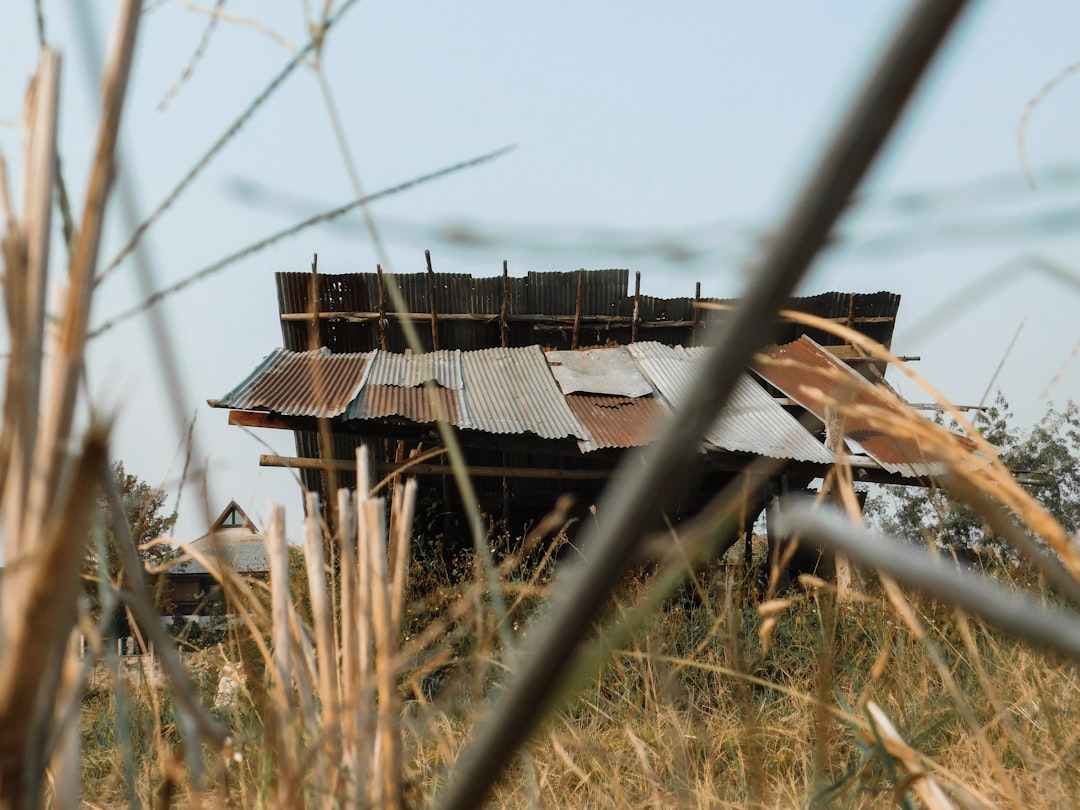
(414, 404)
(616, 421)
(411, 370)
(815, 379)
(751, 421)
(513, 391)
(598, 371)
(315, 383)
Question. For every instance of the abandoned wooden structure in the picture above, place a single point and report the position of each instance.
(548, 379)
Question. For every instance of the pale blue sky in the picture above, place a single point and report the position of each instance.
(636, 124)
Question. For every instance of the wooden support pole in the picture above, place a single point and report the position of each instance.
(505, 495)
(577, 307)
(746, 524)
(505, 309)
(432, 304)
(383, 342)
(637, 307)
(834, 440)
(697, 315)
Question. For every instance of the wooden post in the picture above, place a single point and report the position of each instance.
(834, 440)
(505, 305)
(746, 522)
(432, 304)
(313, 335)
(383, 342)
(505, 496)
(697, 315)
(577, 307)
(637, 307)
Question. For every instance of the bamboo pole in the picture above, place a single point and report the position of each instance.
(637, 308)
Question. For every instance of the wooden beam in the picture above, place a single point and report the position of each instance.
(439, 470)
(262, 419)
(360, 316)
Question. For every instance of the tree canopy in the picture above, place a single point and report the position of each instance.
(1048, 454)
(144, 511)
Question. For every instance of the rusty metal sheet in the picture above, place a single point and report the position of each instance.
(598, 371)
(751, 421)
(552, 294)
(414, 404)
(617, 421)
(815, 379)
(411, 370)
(513, 391)
(315, 383)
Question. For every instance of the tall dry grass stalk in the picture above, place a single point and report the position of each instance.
(50, 490)
(335, 716)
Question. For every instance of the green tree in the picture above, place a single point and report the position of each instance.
(144, 512)
(1048, 455)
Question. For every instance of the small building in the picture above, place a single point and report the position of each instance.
(550, 379)
(233, 540)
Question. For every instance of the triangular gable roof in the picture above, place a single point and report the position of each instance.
(231, 517)
(233, 539)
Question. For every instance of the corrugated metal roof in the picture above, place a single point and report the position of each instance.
(239, 548)
(751, 421)
(315, 383)
(616, 421)
(815, 379)
(598, 371)
(513, 391)
(411, 370)
(378, 401)
(550, 294)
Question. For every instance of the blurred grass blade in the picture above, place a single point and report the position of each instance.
(1015, 613)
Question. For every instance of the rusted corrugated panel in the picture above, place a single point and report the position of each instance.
(598, 371)
(616, 421)
(316, 383)
(411, 370)
(512, 391)
(815, 379)
(873, 314)
(414, 404)
(751, 421)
